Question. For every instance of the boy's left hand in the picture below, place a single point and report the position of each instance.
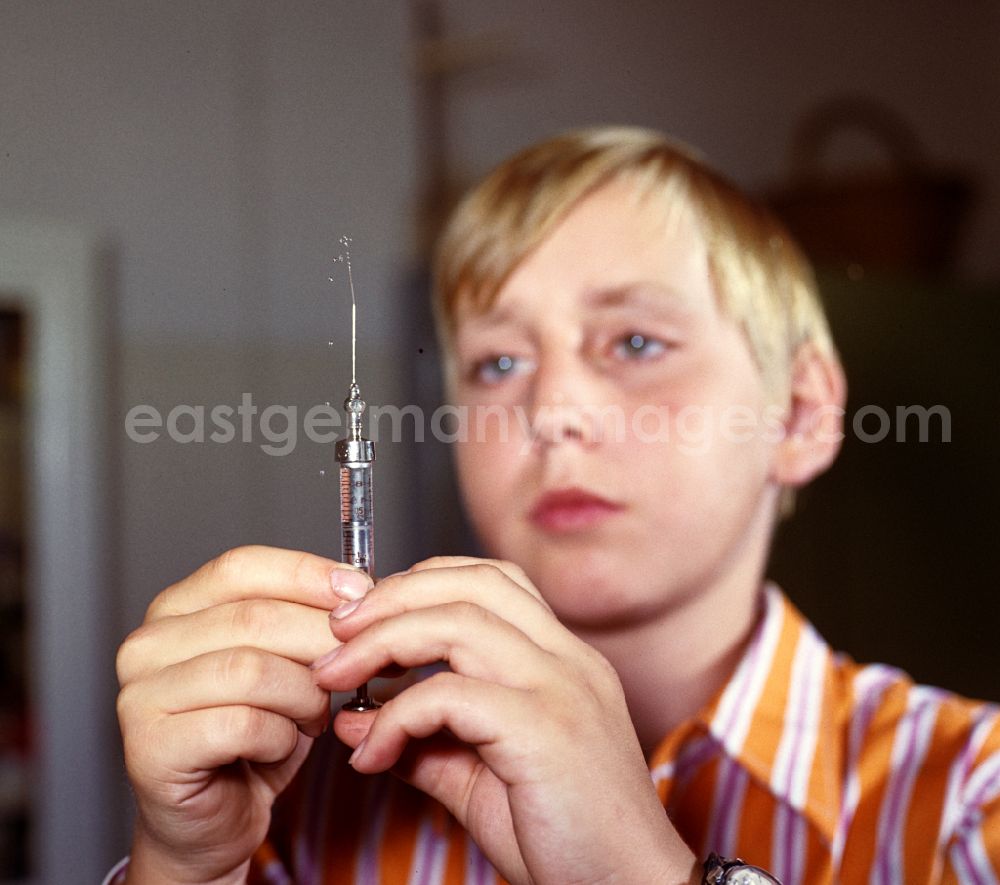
(529, 741)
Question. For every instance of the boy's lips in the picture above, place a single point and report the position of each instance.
(571, 509)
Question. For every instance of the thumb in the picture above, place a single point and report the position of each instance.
(454, 774)
(352, 728)
(440, 766)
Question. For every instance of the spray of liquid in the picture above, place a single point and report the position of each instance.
(345, 258)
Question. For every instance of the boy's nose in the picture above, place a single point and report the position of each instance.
(557, 422)
(565, 400)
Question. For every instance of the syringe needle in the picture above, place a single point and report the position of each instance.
(346, 241)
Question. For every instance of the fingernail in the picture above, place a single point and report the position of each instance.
(350, 584)
(345, 608)
(357, 751)
(329, 656)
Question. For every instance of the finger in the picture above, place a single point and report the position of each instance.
(352, 727)
(490, 717)
(247, 572)
(439, 756)
(470, 639)
(241, 676)
(479, 582)
(440, 766)
(298, 632)
(510, 569)
(202, 740)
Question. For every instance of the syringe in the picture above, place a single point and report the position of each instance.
(356, 454)
(357, 515)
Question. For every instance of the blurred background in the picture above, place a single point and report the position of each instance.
(173, 182)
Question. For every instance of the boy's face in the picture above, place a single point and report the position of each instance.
(618, 485)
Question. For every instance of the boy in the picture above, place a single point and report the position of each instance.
(647, 373)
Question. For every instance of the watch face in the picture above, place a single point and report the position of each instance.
(744, 874)
(735, 871)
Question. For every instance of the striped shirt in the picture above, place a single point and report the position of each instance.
(805, 763)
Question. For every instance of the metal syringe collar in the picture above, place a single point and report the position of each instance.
(355, 451)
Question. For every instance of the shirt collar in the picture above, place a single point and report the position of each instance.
(777, 716)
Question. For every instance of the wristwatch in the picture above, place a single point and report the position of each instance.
(735, 871)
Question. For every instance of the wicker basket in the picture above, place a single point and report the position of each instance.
(904, 216)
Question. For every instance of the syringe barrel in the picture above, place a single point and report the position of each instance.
(357, 527)
(357, 512)
(357, 517)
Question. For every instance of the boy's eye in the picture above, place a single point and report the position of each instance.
(498, 368)
(638, 346)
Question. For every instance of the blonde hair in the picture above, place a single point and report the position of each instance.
(763, 282)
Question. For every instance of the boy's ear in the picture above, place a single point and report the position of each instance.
(814, 425)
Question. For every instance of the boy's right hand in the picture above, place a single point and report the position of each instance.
(218, 707)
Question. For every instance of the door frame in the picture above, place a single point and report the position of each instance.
(53, 273)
